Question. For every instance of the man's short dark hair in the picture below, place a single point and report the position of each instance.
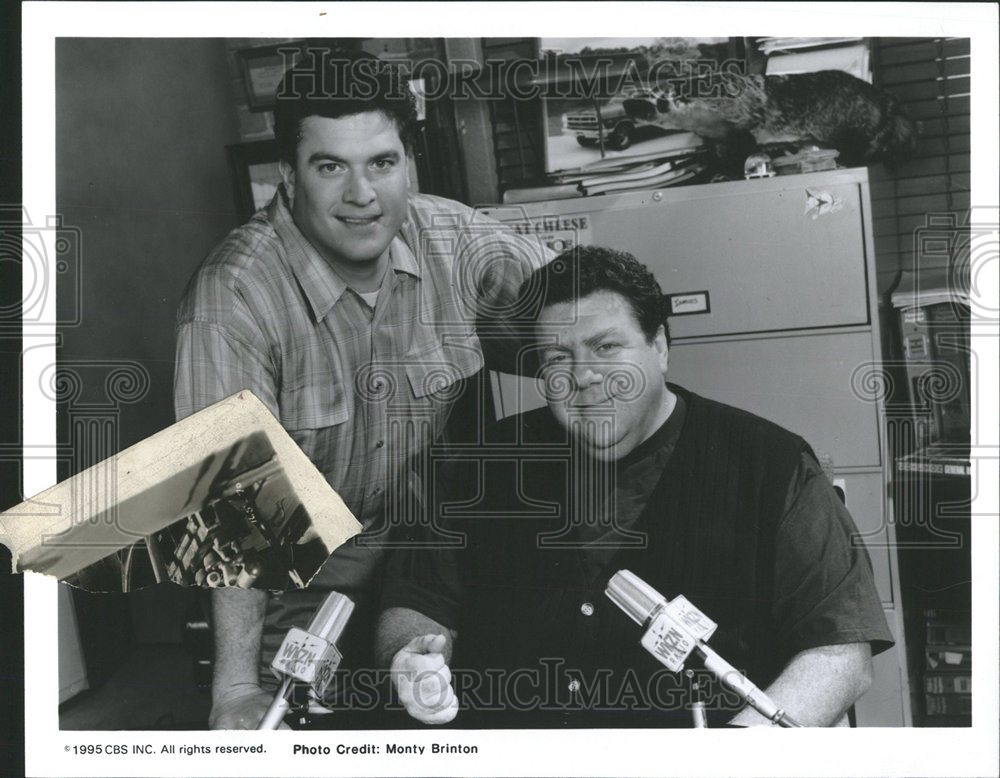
(584, 270)
(332, 83)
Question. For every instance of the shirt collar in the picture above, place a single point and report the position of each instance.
(402, 259)
(321, 285)
(663, 439)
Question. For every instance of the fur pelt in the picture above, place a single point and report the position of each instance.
(829, 107)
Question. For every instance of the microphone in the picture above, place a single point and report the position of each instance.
(676, 629)
(308, 656)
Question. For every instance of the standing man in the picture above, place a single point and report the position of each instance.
(349, 307)
(623, 470)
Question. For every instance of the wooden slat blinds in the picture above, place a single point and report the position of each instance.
(517, 124)
(930, 76)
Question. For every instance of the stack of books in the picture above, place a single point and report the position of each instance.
(645, 175)
(644, 171)
(948, 671)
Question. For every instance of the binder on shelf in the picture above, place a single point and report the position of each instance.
(937, 460)
(948, 704)
(947, 682)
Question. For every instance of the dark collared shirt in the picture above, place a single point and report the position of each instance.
(729, 510)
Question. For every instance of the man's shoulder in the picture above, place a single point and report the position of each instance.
(425, 210)
(249, 255)
(708, 413)
(247, 249)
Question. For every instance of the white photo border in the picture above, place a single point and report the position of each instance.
(860, 752)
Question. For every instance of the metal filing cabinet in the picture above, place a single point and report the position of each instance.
(773, 284)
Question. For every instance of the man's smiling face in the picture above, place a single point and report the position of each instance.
(349, 187)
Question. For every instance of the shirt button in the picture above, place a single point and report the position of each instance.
(574, 685)
(377, 490)
(587, 609)
(380, 444)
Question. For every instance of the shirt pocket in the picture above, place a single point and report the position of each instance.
(314, 405)
(436, 371)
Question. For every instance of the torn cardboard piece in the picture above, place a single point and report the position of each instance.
(224, 497)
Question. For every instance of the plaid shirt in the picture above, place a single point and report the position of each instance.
(361, 390)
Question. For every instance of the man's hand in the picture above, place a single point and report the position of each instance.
(241, 708)
(423, 680)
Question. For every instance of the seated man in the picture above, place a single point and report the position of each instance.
(626, 471)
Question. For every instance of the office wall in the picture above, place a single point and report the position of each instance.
(141, 126)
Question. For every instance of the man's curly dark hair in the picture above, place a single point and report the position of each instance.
(332, 83)
(584, 270)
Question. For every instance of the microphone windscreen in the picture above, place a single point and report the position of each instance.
(331, 617)
(634, 596)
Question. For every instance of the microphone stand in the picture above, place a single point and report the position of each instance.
(698, 719)
(283, 703)
(734, 680)
(278, 708)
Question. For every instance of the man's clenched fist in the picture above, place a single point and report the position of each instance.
(423, 680)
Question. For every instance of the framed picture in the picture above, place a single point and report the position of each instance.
(263, 68)
(255, 174)
(617, 115)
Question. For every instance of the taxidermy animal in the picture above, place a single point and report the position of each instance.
(830, 108)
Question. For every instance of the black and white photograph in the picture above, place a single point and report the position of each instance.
(245, 527)
(207, 502)
(246, 530)
(592, 123)
(227, 538)
(649, 364)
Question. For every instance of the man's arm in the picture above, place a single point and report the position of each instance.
(238, 701)
(513, 259)
(818, 686)
(398, 626)
(215, 360)
(826, 599)
(416, 647)
(417, 650)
